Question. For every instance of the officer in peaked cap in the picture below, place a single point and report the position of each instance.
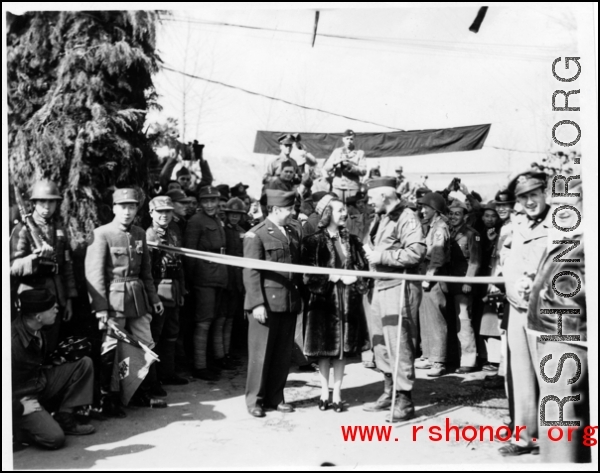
(121, 287)
(180, 201)
(48, 266)
(528, 244)
(273, 300)
(286, 143)
(205, 232)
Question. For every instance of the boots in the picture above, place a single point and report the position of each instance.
(404, 408)
(384, 401)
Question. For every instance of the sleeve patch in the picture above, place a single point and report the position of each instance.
(477, 238)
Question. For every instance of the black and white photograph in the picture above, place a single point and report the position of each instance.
(300, 236)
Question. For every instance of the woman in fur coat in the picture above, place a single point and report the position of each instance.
(335, 325)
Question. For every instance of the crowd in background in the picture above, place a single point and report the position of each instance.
(194, 313)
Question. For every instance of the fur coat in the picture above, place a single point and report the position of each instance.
(335, 322)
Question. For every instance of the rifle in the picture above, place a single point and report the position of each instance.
(37, 236)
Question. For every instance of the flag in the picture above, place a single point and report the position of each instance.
(384, 145)
(132, 362)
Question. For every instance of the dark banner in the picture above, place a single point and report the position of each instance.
(384, 145)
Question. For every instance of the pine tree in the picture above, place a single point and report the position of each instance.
(79, 87)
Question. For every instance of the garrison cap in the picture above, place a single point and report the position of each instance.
(491, 205)
(280, 198)
(209, 192)
(177, 195)
(528, 181)
(125, 196)
(386, 181)
(162, 202)
(36, 300)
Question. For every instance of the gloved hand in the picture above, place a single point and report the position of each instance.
(334, 278)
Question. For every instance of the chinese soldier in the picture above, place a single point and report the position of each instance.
(120, 283)
(49, 266)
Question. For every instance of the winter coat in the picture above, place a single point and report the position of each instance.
(335, 322)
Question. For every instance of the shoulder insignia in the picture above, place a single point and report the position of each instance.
(477, 238)
(412, 224)
(249, 235)
(438, 235)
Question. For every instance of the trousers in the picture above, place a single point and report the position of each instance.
(68, 385)
(385, 312)
(269, 358)
(433, 324)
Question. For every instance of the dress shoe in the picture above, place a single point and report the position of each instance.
(513, 450)
(284, 407)
(205, 374)
(369, 364)
(323, 404)
(175, 380)
(490, 367)
(338, 406)
(404, 408)
(466, 369)
(257, 411)
(423, 364)
(437, 370)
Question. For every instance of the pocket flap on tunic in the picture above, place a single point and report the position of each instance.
(118, 250)
(273, 245)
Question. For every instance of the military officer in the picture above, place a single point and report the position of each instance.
(273, 300)
(47, 267)
(432, 321)
(205, 232)
(181, 202)
(396, 245)
(346, 165)
(529, 241)
(120, 283)
(464, 259)
(167, 271)
(274, 168)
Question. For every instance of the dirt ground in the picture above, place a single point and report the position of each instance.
(206, 426)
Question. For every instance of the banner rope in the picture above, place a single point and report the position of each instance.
(262, 265)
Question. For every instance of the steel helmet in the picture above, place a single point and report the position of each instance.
(435, 201)
(235, 205)
(45, 190)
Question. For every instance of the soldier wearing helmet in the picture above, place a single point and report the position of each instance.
(433, 325)
(50, 266)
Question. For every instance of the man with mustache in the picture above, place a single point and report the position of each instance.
(529, 241)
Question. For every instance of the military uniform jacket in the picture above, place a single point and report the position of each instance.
(277, 290)
(464, 251)
(235, 247)
(437, 244)
(167, 268)
(205, 233)
(349, 176)
(526, 250)
(118, 272)
(31, 273)
(398, 235)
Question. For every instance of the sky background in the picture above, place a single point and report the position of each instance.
(404, 68)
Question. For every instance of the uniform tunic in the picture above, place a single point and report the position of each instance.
(398, 235)
(270, 344)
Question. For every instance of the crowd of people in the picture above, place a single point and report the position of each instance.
(198, 315)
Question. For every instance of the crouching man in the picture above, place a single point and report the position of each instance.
(39, 388)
